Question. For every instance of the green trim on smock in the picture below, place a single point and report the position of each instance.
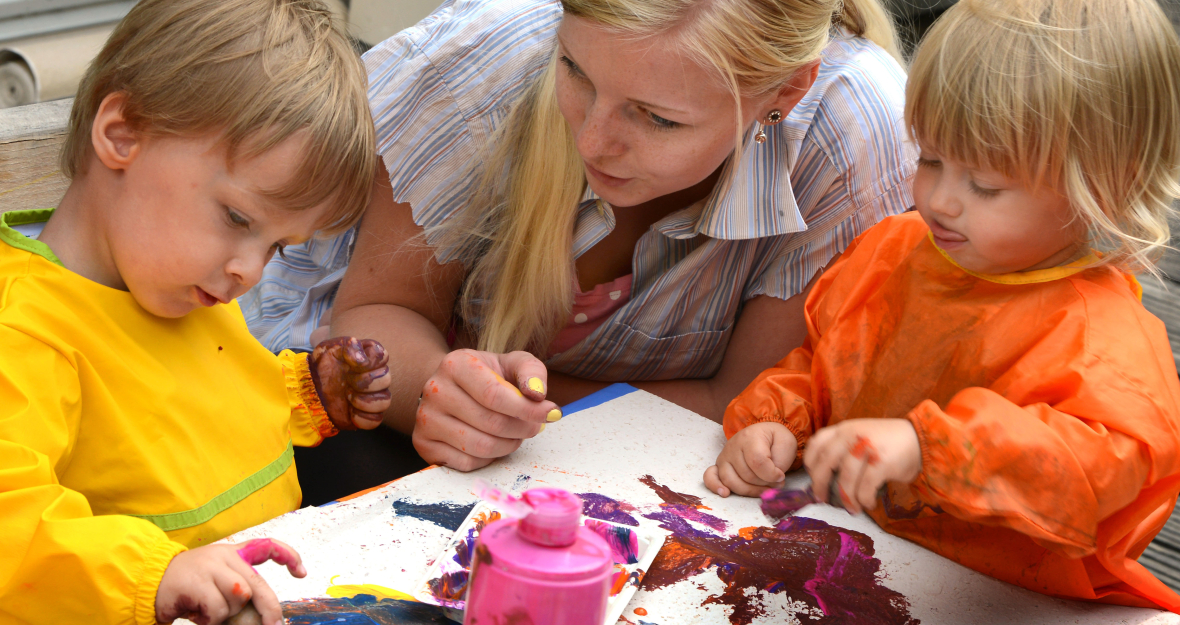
(20, 241)
(226, 500)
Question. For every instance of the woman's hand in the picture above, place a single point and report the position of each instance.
(865, 453)
(352, 379)
(211, 583)
(471, 414)
(756, 458)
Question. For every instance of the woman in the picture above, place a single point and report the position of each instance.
(599, 191)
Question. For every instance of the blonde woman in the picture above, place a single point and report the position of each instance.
(599, 191)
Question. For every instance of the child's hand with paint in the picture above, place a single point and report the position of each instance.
(352, 379)
(864, 453)
(756, 458)
(212, 583)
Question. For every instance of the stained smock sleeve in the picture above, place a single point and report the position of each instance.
(310, 424)
(1088, 411)
(59, 562)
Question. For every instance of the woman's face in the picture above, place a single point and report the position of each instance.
(648, 121)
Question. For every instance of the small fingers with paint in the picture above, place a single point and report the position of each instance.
(823, 454)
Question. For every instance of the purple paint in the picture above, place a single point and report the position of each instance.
(607, 509)
(780, 502)
(624, 544)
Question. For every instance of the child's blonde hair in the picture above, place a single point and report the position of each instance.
(517, 232)
(1079, 94)
(258, 71)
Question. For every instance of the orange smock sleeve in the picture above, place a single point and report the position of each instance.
(310, 424)
(1087, 411)
(60, 563)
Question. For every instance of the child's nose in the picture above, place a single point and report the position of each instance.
(943, 199)
(245, 272)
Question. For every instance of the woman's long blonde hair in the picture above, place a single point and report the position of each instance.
(517, 233)
(1079, 94)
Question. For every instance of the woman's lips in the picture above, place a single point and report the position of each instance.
(946, 239)
(205, 298)
(606, 179)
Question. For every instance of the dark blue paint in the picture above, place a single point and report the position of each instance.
(445, 514)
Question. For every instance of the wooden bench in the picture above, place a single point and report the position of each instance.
(30, 143)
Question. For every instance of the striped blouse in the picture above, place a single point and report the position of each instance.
(836, 165)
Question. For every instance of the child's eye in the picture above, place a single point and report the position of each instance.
(982, 192)
(235, 219)
(926, 162)
(661, 123)
(278, 248)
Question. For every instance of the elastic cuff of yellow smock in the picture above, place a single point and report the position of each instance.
(300, 379)
(155, 562)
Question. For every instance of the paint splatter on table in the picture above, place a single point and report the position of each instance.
(637, 460)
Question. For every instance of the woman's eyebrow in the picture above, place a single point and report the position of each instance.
(565, 52)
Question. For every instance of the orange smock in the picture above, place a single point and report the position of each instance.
(126, 438)
(1045, 402)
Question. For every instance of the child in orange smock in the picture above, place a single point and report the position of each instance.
(986, 359)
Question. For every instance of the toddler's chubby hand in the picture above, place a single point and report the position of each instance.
(756, 458)
(209, 584)
(864, 453)
(352, 379)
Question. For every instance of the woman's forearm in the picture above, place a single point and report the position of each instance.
(415, 347)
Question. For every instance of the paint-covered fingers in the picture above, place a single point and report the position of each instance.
(823, 454)
(352, 379)
(748, 464)
(209, 584)
(444, 439)
(866, 453)
(485, 376)
(528, 373)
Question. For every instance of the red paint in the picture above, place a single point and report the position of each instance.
(641, 611)
(219, 348)
(238, 592)
(863, 449)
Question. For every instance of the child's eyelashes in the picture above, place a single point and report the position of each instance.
(278, 248)
(928, 162)
(982, 191)
(236, 219)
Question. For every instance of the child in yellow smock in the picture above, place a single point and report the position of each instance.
(139, 419)
(986, 358)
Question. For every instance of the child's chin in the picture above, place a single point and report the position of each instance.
(163, 308)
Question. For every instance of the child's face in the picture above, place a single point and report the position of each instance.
(187, 230)
(991, 224)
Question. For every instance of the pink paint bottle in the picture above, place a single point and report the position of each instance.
(543, 569)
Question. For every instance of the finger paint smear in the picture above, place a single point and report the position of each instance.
(450, 587)
(363, 610)
(830, 569)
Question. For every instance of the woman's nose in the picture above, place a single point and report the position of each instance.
(599, 135)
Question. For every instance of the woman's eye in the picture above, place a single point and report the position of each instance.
(235, 219)
(661, 123)
(982, 192)
(571, 67)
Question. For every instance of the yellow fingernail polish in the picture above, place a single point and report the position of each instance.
(554, 415)
(536, 386)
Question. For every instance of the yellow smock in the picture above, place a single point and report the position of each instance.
(126, 438)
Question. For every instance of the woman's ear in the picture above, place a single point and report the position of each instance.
(796, 87)
(116, 144)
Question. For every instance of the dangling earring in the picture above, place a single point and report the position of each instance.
(772, 118)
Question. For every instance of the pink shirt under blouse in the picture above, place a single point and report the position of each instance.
(591, 308)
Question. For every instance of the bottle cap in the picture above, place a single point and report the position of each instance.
(555, 518)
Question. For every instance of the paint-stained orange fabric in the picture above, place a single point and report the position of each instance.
(1048, 413)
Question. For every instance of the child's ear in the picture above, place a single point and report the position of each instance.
(116, 144)
(796, 87)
